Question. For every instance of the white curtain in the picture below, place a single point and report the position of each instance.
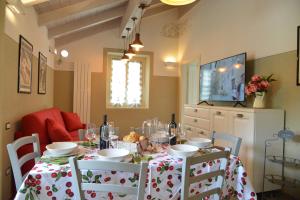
(82, 91)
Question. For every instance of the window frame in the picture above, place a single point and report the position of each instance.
(143, 58)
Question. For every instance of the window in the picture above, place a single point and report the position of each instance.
(128, 84)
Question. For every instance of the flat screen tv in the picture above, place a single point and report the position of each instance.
(223, 80)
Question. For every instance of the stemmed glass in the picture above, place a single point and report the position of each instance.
(181, 132)
(90, 133)
(113, 137)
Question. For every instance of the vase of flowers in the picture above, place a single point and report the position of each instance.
(258, 87)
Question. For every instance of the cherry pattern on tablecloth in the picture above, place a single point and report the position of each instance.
(50, 181)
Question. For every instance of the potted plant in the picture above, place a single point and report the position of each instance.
(258, 86)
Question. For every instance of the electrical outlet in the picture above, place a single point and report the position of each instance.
(7, 126)
(8, 171)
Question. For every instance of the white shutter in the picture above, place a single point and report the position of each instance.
(134, 84)
(118, 83)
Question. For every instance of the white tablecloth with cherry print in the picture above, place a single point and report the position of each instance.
(50, 181)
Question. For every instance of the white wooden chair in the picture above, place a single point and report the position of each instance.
(80, 187)
(233, 140)
(219, 174)
(17, 163)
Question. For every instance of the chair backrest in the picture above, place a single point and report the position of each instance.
(233, 140)
(187, 180)
(80, 187)
(17, 163)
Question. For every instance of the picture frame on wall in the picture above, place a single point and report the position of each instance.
(25, 66)
(298, 56)
(42, 74)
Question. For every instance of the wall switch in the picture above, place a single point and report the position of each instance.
(7, 126)
(8, 171)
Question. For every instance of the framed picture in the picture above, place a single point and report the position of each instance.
(42, 77)
(298, 56)
(25, 66)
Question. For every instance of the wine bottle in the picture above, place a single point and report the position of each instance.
(172, 130)
(104, 134)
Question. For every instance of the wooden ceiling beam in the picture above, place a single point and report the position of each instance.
(132, 10)
(87, 32)
(32, 2)
(57, 14)
(86, 22)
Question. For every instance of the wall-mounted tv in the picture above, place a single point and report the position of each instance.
(223, 80)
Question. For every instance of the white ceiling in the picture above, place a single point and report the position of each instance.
(68, 18)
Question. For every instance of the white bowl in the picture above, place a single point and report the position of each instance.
(61, 148)
(199, 142)
(113, 154)
(183, 150)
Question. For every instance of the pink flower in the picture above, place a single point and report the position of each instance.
(265, 85)
(252, 88)
(255, 78)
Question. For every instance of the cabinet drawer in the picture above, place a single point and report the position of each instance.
(202, 133)
(189, 130)
(196, 122)
(197, 112)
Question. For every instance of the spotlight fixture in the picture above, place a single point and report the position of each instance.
(177, 2)
(130, 52)
(64, 53)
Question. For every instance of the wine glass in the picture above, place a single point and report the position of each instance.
(181, 132)
(90, 133)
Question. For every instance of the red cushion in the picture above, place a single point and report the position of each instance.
(72, 121)
(57, 132)
(36, 123)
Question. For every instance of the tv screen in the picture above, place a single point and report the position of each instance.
(223, 80)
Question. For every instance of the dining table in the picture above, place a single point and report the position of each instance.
(52, 179)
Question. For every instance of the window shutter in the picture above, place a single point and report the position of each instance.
(118, 82)
(134, 84)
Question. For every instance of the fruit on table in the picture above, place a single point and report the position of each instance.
(131, 137)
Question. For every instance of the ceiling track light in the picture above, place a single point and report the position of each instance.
(130, 52)
(124, 58)
(137, 43)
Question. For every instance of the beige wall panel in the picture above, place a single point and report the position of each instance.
(63, 90)
(16, 105)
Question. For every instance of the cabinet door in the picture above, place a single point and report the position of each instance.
(219, 121)
(242, 125)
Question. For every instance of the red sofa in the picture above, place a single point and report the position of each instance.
(36, 123)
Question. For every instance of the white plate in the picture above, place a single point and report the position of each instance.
(73, 153)
(113, 154)
(183, 150)
(199, 142)
(61, 148)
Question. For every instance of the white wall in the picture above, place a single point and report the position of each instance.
(220, 28)
(89, 50)
(27, 26)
